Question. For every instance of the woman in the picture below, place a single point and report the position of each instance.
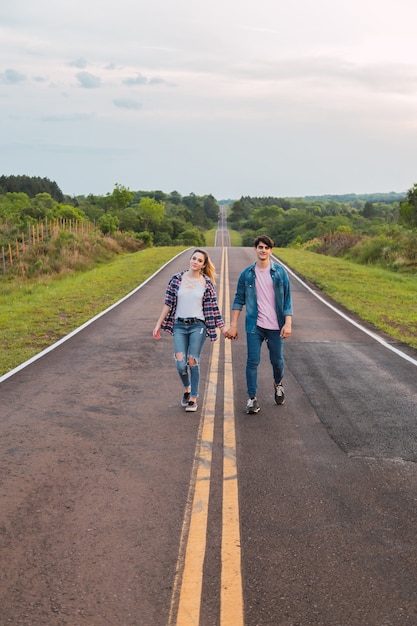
(190, 313)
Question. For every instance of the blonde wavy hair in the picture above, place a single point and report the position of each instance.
(208, 268)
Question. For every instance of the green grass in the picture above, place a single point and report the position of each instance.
(383, 298)
(36, 313)
(210, 236)
(235, 238)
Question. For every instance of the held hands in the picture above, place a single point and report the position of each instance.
(230, 333)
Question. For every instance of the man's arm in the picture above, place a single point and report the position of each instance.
(286, 329)
(231, 332)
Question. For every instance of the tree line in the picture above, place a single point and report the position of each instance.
(374, 228)
(30, 185)
(152, 217)
(370, 228)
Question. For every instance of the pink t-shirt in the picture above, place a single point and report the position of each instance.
(267, 315)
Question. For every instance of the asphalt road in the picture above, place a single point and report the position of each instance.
(114, 502)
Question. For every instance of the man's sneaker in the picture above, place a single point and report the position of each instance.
(185, 399)
(252, 406)
(191, 406)
(279, 394)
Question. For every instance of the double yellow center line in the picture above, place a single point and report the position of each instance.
(187, 589)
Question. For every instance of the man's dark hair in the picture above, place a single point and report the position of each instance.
(265, 240)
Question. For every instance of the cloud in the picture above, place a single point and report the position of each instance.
(140, 79)
(157, 81)
(12, 77)
(279, 97)
(80, 63)
(125, 103)
(89, 81)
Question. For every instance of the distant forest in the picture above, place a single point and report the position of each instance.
(379, 228)
(368, 227)
(30, 185)
(150, 217)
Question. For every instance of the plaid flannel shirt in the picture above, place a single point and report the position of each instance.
(212, 315)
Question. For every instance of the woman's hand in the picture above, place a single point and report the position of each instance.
(156, 333)
(230, 333)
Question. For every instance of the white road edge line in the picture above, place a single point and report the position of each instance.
(96, 317)
(80, 328)
(403, 355)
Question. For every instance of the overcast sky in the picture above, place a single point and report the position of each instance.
(229, 97)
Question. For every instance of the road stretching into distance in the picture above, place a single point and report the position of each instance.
(118, 508)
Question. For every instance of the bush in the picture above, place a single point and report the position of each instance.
(191, 237)
(70, 253)
(162, 239)
(145, 237)
(338, 243)
(396, 252)
(108, 224)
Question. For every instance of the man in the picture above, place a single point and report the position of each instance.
(264, 288)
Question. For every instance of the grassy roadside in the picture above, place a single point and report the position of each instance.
(385, 299)
(235, 237)
(34, 314)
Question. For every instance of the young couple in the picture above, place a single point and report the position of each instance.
(191, 314)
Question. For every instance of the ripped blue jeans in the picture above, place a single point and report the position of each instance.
(188, 343)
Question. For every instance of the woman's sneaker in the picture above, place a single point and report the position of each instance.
(279, 394)
(185, 399)
(191, 406)
(252, 406)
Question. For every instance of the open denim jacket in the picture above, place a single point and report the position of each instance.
(246, 295)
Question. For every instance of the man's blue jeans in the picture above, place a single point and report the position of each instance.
(188, 343)
(275, 345)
